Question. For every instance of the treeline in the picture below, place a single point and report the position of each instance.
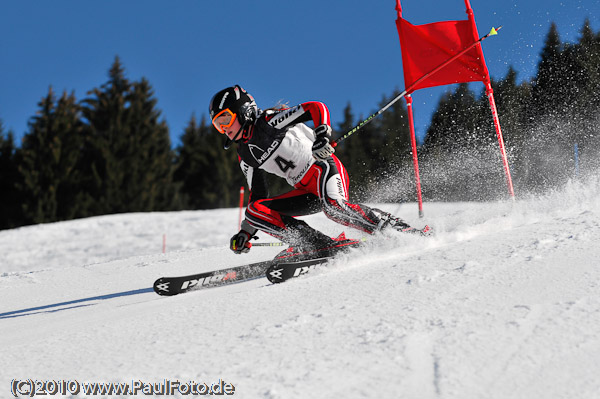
(111, 152)
(106, 154)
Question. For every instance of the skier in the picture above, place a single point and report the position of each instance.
(277, 141)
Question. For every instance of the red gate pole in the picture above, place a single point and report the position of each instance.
(413, 144)
(490, 95)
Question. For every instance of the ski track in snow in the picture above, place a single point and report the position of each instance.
(503, 302)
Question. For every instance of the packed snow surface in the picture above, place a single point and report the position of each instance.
(503, 302)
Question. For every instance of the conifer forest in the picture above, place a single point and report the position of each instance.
(111, 151)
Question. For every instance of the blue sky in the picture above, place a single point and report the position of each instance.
(333, 51)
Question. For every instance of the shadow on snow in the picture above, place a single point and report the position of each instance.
(49, 308)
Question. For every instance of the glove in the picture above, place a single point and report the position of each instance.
(321, 148)
(240, 243)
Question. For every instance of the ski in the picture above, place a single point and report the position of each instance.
(283, 271)
(168, 286)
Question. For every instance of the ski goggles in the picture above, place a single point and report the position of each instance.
(223, 120)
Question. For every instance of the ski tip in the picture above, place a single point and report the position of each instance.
(162, 287)
(275, 274)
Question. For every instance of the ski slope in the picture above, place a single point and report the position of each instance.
(503, 302)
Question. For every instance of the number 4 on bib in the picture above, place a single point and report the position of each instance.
(283, 164)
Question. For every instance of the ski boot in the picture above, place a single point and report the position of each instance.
(387, 221)
(308, 243)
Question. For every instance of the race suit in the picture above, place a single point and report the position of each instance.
(280, 143)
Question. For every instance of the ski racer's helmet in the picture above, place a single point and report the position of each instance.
(229, 104)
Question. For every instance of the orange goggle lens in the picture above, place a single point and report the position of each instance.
(223, 120)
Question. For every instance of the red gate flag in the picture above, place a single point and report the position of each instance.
(424, 47)
(443, 53)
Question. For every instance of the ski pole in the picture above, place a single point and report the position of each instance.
(494, 31)
(268, 244)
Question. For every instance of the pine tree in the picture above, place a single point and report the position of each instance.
(360, 161)
(10, 200)
(209, 175)
(188, 171)
(512, 101)
(107, 143)
(454, 122)
(128, 153)
(456, 149)
(352, 153)
(559, 100)
(586, 133)
(230, 176)
(49, 157)
(545, 99)
(587, 53)
(394, 148)
(394, 167)
(344, 127)
(149, 181)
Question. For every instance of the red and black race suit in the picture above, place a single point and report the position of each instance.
(280, 143)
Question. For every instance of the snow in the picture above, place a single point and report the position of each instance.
(503, 302)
